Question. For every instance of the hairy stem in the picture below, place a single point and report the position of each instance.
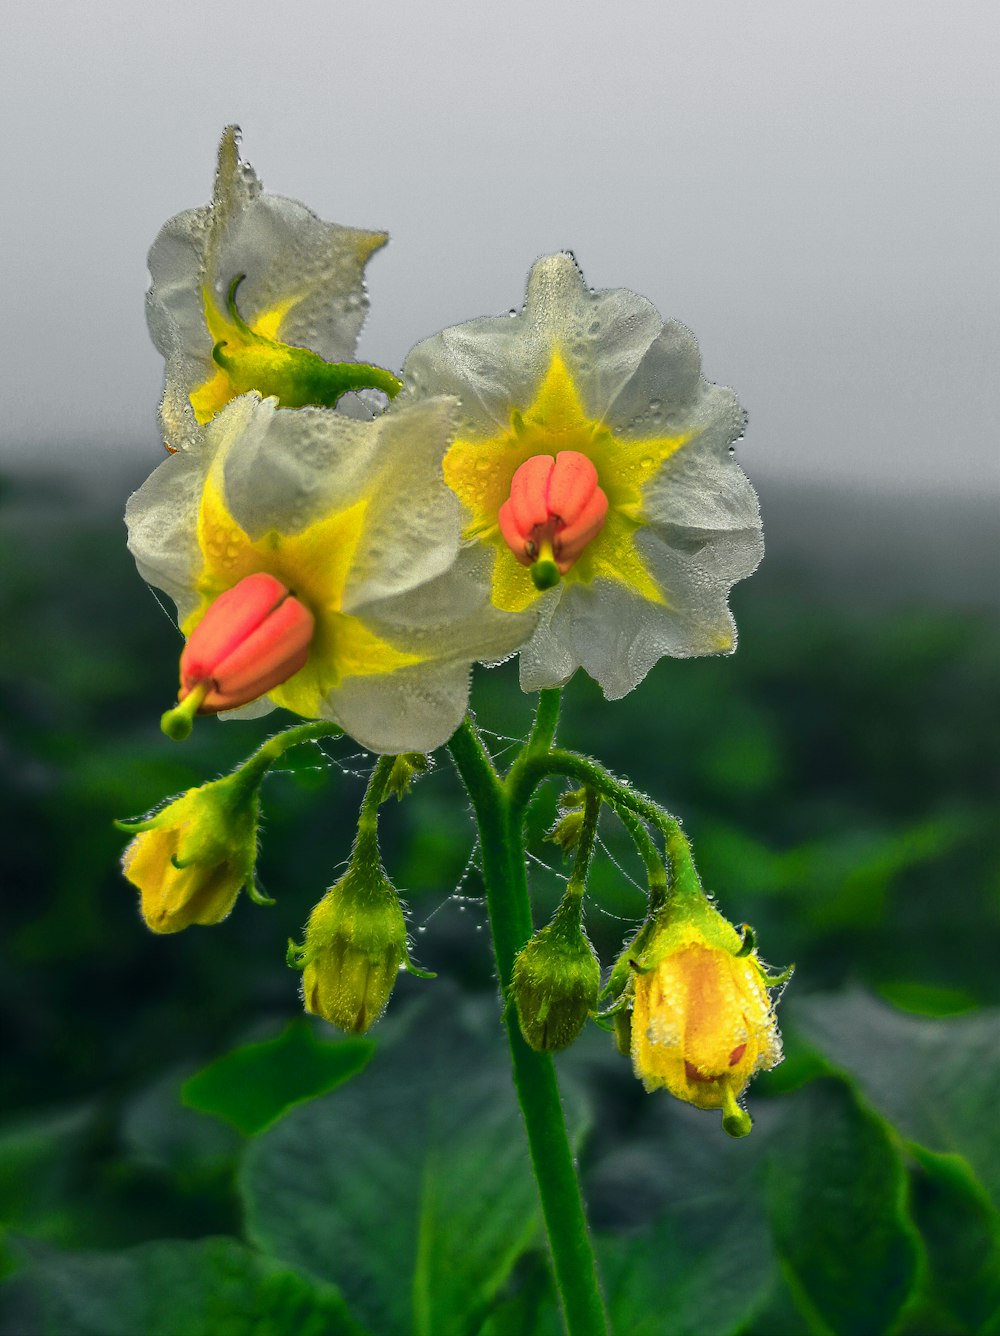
(504, 872)
(619, 795)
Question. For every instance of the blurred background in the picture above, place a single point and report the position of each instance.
(810, 189)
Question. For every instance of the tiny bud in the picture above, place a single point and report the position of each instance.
(555, 982)
(191, 859)
(567, 830)
(555, 508)
(354, 947)
(405, 769)
(252, 638)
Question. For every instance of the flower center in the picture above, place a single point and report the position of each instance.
(556, 506)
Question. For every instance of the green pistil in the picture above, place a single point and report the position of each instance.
(178, 722)
(545, 574)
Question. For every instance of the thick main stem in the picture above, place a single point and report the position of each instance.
(505, 876)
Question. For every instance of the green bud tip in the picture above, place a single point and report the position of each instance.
(178, 722)
(545, 575)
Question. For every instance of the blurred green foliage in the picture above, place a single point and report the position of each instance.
(838, 779)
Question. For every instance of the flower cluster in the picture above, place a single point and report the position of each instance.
(345, 545)
(558, 483)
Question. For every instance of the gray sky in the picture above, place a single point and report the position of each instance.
(812, 187)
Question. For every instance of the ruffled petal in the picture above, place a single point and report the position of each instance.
(599, 374)
(497, 363)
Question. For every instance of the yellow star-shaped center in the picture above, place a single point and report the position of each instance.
(314, 565)
(479, 472)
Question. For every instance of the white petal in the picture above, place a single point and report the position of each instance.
(414, 522)
(496, 364)
(162, 520)
(603, 335)
(451, 619)
(414, 709)
(659, 394)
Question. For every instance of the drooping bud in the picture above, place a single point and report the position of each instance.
(702, 1022)
(354, 948)
(253, 637)
(555, 981)
(556, 506)
(191, 859)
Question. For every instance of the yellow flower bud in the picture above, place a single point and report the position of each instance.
(191, 859)
(702, 1020)
(354, 948)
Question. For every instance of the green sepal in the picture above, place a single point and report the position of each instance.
(749, 940)
(776, 980)
(135, 826)
(257, 895)
(416, 971)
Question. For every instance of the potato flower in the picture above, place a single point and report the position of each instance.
(322, 556)
(596, 464)
(253, 291)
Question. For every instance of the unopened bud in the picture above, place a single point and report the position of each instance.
(191, 859)
(354, 947)
(555, 982)
(567, 831)
(253, 637)
(405, 769)
(702, 1020)
(556, 506)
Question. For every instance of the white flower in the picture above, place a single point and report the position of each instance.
(353, 520)
(259, 278)
(596, 464)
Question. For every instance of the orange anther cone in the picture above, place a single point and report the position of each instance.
(254, 637)
(555, 503)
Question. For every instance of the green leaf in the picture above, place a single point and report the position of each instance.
(927, 999)
(935, 1080)
(529, 1306)
(253, 1086)
(211, 1287)
(961, 1233)
(692, 1254)
(410, 1188)
(39, 1157)
(836, 1189)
